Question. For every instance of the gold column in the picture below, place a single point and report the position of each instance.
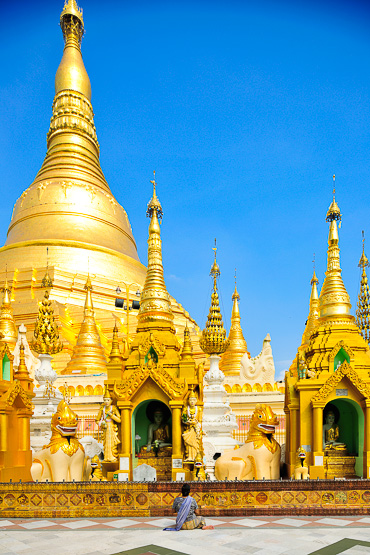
(24, 430)
(366, 461)
(126, 412)
(3, 432)
(176, 429)
(294, 440)
(317, 430)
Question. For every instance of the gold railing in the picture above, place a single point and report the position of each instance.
(243, 428)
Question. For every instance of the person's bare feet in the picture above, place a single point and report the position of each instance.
(208, 528)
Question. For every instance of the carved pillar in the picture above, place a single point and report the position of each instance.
(317, 431)
(176, 407)
(126, 440)
(366, 460)
(3, 432)
(24, 430)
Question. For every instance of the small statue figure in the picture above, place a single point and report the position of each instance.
(331, 433)
(158, 431)
(301, 469)
(96, 470)
(107, 419)
(192, 434)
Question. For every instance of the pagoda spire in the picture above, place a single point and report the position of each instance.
(214, 340)
(115, 353)
(363, 303)
(313, 316)
(88, 353)
(46, 333)
(155, 301)
(8, 332)
(334, 299)
(230, 362)
(187, 348)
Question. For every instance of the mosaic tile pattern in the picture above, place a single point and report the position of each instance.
(132, 499)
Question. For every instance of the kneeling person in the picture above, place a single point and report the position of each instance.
(188, 517)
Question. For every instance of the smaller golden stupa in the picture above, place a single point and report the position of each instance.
(363, 303)
(327, 393)
(230, 361)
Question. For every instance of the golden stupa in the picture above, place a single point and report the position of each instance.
(69, 221)
(327, 393)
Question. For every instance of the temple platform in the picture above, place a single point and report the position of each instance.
(154, 499)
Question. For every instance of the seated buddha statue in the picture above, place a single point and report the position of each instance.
(158, 432)
(331, 433)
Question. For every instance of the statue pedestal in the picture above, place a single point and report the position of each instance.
(162, 463)
(338, 464)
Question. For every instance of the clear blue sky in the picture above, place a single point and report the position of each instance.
(244, 109)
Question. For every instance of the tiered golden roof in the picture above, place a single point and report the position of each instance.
(363, 303)
(7, 325)
(155, 301)
(230, 362)
(46, 331)
(334, 300)
(88, 354)
(214, 340)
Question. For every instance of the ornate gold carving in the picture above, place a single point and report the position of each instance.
(125, 390)
(16, 390)
(341, 345)
(152, 341)
(344, 370)
(46, 331)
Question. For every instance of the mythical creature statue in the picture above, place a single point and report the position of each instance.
(64, 457)
(259, 457)
(301, 470)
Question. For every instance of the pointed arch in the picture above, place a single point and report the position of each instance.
(344, 370)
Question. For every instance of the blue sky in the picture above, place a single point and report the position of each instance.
(244, 109)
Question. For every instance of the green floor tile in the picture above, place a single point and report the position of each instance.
(340, 547)
(156, 549)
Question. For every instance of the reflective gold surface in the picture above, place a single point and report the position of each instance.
(313, 316)
(8, 330)
(46, 331)
(230, 361)
(88, 353)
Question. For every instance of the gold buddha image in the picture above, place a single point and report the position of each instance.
(159, 436)
(331, 433)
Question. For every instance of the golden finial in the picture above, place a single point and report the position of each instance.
(213, 340)
(363, 303)
(334, 211)
(236, 296)
(71, 20)
(22, 371)
(115, 353)
(67, 395)
(46, 331)
(334, 299)
(187, 348)
(155, 301)
(46, 280)
(154, 205)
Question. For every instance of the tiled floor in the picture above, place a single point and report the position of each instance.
(144, 536)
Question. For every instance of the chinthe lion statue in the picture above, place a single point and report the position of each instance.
(301, 470)
(259, 457)
(64, 457)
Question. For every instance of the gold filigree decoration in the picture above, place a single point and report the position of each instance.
(126, 390)
(16, 390)
(344, 370)
(152, 341)
(341, 345)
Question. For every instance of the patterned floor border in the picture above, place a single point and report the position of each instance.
(148, 523)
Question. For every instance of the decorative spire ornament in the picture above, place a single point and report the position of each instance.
(46, 333)
(46, 280)
(363, 303)
(334, 299)
(88, 354)
(213, 340)
(115, 353)
(230, 362)
(187, 349)
(155, 301)
(313, 316)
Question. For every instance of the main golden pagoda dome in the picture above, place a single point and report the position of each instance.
(69, 223)
(69, 207)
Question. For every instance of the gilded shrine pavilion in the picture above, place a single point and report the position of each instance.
(327, 394)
